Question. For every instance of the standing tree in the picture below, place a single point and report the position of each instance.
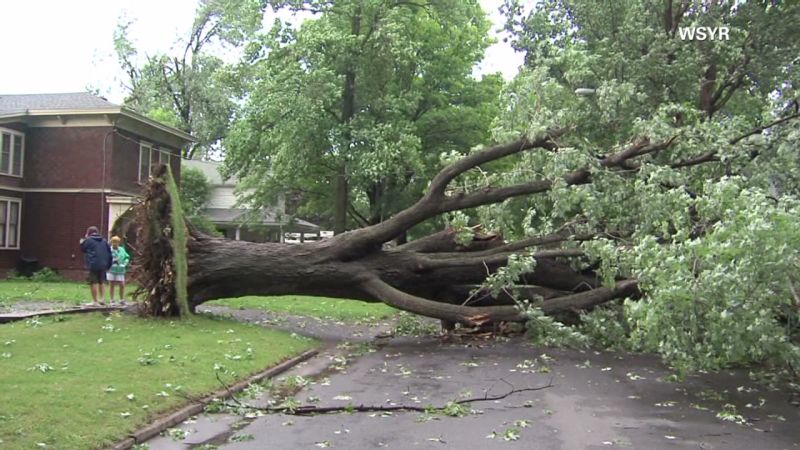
(192, 89)
(195, 191)
(673, 184)
(353, 108)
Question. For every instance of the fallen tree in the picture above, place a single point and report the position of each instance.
(434, 276)
(676, 184)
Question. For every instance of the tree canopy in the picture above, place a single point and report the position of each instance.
(195, 191)
(195, 194)
(690, 148)
(191, 88)
(352, 108)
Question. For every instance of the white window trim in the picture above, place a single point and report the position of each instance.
(8, 218)
(14, 136)
(152, 150)
(148, 147)
(165, 152)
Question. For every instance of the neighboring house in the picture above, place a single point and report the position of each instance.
(269, 225)
(69, 161)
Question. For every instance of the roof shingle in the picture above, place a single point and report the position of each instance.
(67, 101)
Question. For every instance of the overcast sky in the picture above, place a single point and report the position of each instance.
(67, 46)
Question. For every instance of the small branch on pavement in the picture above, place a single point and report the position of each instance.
(305, 410)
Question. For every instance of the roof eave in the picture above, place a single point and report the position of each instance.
(72, 112)
(121, 110)
(166, 128)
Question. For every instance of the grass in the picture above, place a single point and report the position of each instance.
(321, 307)
(84, 381)
(14, 291)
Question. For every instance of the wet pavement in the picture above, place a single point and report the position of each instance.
(597, 400)
(592, 399)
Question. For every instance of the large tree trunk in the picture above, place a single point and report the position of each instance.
(403, 278)
(341, 193)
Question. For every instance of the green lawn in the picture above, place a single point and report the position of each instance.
(13, 291)
(322, 307)
(84, 381)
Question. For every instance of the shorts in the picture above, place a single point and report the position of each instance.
(96, 276)
(120, 277)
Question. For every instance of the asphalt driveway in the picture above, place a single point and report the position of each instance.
(597, 400)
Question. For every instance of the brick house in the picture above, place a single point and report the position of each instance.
(69, 161)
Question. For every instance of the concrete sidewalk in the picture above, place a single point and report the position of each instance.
(599, 400)
(27, 310)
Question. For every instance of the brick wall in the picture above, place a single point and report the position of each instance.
(54, 222)
(65, 157)
(125, 165)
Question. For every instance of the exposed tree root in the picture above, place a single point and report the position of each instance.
(155, 271)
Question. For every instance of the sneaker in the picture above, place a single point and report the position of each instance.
(122, 302)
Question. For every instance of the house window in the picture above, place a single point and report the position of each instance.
(12, 150)
(149, 157)
(166, 156)
(161, 156)
(9, 223)
(145, 154)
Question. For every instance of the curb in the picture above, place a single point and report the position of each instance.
(13, 317)
(170, 420)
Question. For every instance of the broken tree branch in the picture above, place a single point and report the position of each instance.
(762, 128)
(450, 172)
(534, 241)
(445, 241)
(305, 410)
(712, 155)
(435, 202)
(704, 158)
(467, 315)
(313, 409)
(437, 261)
(642, 148)
(588, 299)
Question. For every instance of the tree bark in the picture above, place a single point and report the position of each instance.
(341, 194)
(402, 278)
(341, 201)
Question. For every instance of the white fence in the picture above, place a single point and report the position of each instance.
(296, 238)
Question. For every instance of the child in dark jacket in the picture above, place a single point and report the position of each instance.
(98, 257)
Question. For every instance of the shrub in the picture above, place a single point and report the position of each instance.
(44, 274)
(47, 274)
